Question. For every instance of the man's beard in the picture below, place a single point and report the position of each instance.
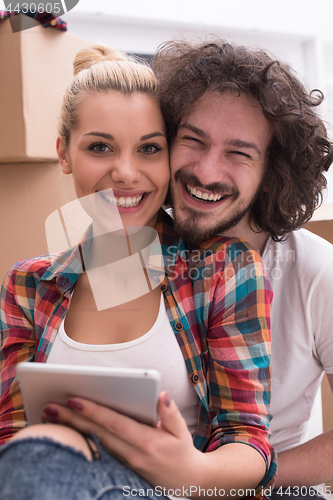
(193, 228)
(195, 232)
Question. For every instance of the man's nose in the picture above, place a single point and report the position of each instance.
(125, 170)
(212, 167)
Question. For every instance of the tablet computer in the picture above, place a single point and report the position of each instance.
(131, 391)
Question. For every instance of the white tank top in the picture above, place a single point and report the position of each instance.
(158, 349)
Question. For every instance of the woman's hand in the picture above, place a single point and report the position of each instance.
(165, 455)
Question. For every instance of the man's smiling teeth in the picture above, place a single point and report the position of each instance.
(129, 201)
(196, 193)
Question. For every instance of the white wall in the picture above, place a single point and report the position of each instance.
(284, 16)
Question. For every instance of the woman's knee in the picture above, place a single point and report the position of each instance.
(59, 433)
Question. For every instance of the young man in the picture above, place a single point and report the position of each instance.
(248, 152)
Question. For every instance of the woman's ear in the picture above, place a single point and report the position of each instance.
(63, 156)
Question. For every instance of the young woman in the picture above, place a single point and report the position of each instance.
(205, 327)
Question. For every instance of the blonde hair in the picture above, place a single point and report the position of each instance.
(99, 68)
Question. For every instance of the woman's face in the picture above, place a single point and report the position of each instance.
(120, 145)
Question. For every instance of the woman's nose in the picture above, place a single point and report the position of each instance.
(125, 170)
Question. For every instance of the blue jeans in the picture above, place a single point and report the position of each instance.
(42, 469)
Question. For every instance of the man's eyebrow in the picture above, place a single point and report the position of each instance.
(234, 142)
(101, 134)
(238, 143)
(194, 129)
(153, 134)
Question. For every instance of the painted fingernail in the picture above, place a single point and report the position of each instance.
(167, 400)
(74, 404)
(51, 411)
(49, 419)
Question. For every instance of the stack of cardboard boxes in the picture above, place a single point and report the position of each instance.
(35, 68)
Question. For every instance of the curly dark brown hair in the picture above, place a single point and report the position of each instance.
(300, 150)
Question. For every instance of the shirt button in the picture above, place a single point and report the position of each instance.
(163, 288)
(195, 378)
(179, 326)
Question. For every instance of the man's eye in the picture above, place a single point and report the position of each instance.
(99, 147)
(193, 139)
(150, 149)
(241, 153)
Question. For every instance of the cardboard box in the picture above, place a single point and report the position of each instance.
(36, 66)
(323, 228)
(29, 193)
(322, 222)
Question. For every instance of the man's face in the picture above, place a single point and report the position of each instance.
(217, 164)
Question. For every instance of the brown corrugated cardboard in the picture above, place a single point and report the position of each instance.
(36, 66)
(323, 228)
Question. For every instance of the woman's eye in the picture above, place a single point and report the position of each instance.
(150, 149)
(99, 147)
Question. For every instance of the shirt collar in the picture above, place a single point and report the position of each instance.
(66, 267)
(266, 247)
(169, 240)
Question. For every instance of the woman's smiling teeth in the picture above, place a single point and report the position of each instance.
(199, 195)
(122, 201)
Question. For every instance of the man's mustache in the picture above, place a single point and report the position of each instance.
(214, 187)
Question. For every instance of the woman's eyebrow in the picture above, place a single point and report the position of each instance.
(143, 138)
(153, 134)
(101, 134)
